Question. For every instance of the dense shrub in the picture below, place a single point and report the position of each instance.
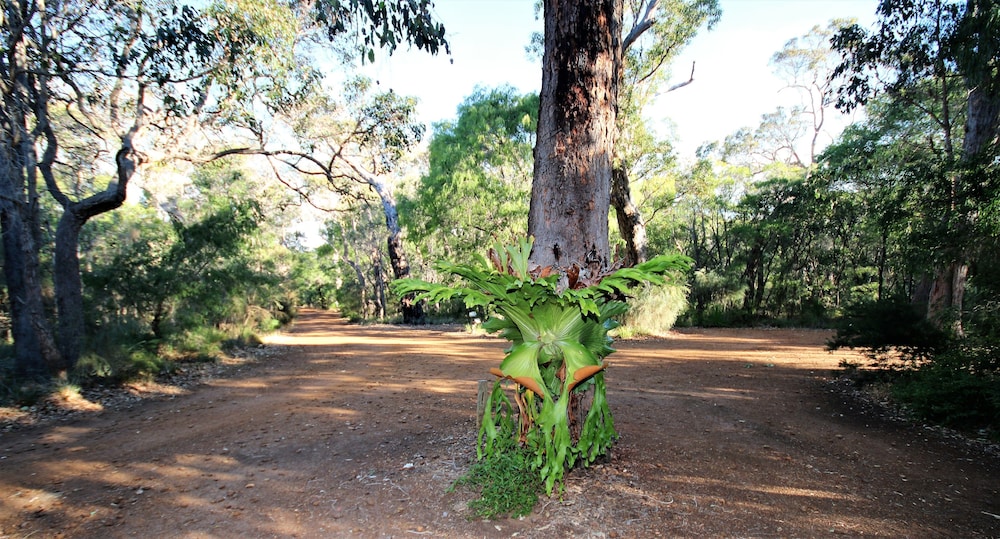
(888, 330)
(960, 388)
(944, 380)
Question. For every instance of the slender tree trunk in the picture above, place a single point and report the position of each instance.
(378, 285)
(571, 187)
(413, 311)
(630, 223)
(69, 288)
(362, 283)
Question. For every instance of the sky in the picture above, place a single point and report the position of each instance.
(733, 82)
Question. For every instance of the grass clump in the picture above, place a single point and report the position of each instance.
(653, 311)
(508, 484)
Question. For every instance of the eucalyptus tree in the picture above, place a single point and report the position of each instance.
(577, 151)
(356, 254)
(135, 79)
(571, 186)
(806, 63)
(477, 184)
(104, 70)
(656, 32)
(937, 47)
(352, 146)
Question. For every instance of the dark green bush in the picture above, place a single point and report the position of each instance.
(887, 330)
(960, 388)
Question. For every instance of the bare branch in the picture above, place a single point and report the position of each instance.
(682, 84)
(644, 24)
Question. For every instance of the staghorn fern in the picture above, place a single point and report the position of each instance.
(558, 331)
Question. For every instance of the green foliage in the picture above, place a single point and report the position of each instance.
(119, 353)
(712, 296)
(558, 328)
(889, 330)
(953, 382)
(960, 388)
(184, 276)
(654, 310)
(162, 290)
(509, 485)
(313, 281)
(382, 25)
(478, 182)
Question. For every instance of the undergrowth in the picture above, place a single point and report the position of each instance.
(508, 484)
(936, 378)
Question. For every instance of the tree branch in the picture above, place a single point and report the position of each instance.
(682, 84)
(647, 21)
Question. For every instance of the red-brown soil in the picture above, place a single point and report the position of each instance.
(348, 431)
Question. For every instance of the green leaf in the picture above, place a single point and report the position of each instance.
(580, 363)
(521, 365)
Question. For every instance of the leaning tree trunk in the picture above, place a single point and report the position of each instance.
(68, 285)
(571, 187)
(413, 311)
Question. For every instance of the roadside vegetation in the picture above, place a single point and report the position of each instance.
(255, 190)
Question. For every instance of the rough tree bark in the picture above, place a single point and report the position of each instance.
(571, 187)
(35, 354)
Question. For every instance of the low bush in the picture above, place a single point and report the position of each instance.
(889, 330)
(939, 379)
(960, 388)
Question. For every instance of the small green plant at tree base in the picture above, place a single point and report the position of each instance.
(558, 328)
(508, 486)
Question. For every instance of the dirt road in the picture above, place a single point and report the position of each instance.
(352, 431)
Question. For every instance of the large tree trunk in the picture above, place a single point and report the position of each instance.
(982, 122)
(571, 187)
(947, 293)
(35, 354)
(69, 288)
